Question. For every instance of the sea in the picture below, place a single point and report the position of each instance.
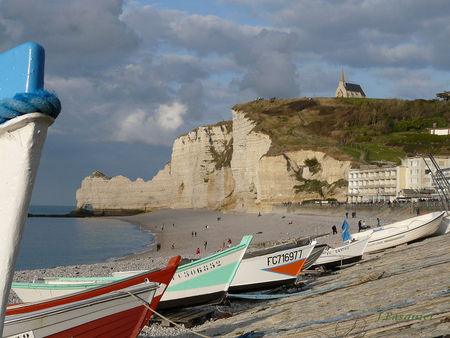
(52, 241)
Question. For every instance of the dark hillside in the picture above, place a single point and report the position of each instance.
(365, 130)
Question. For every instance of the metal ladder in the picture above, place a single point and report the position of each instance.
(440, 182)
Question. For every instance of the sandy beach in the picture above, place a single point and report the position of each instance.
(188, 230)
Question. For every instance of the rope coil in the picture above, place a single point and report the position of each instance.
(40, 101)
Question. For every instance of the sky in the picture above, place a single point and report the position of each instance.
(134, 75)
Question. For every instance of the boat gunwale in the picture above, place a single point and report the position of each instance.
(399, 232)
(243, 245)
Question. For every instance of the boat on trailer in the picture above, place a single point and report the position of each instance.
(271, 267)
(117, 309)
(203, 281)
(401, 232)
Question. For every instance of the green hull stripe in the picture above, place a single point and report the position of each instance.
(222, 275)
(42, 286)
(244, 244)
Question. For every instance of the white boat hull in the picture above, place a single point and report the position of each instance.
(21, 143)
(274, 269)
(401, 232)
(345, 254)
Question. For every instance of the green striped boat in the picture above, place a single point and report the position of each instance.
(204, 281)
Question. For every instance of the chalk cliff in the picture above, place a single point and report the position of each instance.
(224, 166)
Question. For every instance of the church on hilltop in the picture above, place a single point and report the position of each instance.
(345, 89)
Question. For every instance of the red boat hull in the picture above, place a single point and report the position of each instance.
(126, 323)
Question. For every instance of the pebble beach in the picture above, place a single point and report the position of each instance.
(401, 291)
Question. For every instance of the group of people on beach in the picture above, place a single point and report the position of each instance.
(361, 224)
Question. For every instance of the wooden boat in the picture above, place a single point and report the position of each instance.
(345, 254)
(204, 281)
(271, 267)
(22, 138)
(401, 232)
(117, 309)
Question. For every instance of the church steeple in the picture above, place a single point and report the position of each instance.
(342, 76)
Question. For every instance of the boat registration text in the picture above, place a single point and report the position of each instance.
(283, 258)
(207, 267)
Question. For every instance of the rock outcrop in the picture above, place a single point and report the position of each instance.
(224, 166)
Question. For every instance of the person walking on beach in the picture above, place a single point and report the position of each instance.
(205, 244)
(359, 225)
(197, 252)
(346, 214)
(334, 229)
(158, 247)
(378, 221)
(173, 245)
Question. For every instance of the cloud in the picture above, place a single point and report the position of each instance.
(81, 37)
(144, 127)
(170, 117)
(363, 33)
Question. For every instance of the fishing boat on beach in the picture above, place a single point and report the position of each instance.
(271, 267)
(348, 253)
(117, 309)
(203, 281)
(26, 112)
(401, 232)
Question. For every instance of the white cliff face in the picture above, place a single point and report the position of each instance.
(248, 149)
(280, 175)
(193, 178)
(216, 168)
(198, 180)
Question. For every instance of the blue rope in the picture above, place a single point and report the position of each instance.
(40, 101)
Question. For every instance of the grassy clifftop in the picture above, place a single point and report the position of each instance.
(364, 130)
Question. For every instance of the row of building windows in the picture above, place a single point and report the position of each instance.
(371, 183)
(356, 175)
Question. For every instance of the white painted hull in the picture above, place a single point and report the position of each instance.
(21, 143)
(344, 253)
(401, 232)
(272, 269)
(42, 323)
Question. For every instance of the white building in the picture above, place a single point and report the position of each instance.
(372, 184)
(409, 180)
